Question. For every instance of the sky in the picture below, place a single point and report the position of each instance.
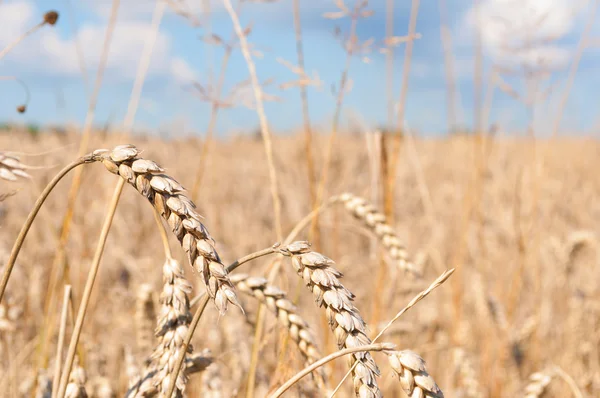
(515, 36)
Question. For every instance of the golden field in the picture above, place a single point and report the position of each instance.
(518, 219)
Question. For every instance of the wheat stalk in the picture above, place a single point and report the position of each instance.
(411, 370)
(169, 199)
(377, 222)
(345, 321)
(286, 313)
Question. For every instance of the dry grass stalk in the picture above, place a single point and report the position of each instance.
(411, 370)
(538, 382)
(170, 200)
(173, 324)
(345, 321)
(286, 312)
(377, 222)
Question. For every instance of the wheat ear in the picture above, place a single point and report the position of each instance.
(377, 222)
(76, 386)
(170, 200)
(345, 321)
(173, 323)
(411, 370)
(286, 313)
(538, 382)
(11, 168)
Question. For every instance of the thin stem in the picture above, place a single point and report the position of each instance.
(264, 125)
(89, 285)
(58, 263)
(252, 256)
(310, 167)
(12, 45)
(164, 237)
(186, 343)
(266, 135)
(329, 358)
(27, 225)
(395, 155)
(142, 70)
(61, 337)
(314, 232)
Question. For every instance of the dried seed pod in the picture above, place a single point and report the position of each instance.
(51, 17)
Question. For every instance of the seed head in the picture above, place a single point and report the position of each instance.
(21, 108)
(51, 17)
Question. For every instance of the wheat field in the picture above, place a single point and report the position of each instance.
(338, 260)
(523, 238)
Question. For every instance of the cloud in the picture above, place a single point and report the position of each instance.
(55, 54)
(181, 71)
(517, 32)
(15, 19)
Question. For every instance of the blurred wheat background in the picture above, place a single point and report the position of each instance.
(503, 194)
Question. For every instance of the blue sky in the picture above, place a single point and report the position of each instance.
(47, 62)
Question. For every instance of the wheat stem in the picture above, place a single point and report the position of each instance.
(31, 217)
(61, 338)
(89, 286)
(370, 347)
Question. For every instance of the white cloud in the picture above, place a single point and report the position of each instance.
(523, 31)
(181, 71)
(15, 19)
(52, 53)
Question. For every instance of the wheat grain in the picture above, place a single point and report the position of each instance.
(76, 386)
(376, 221)
(11, 168)
(538, 382)
(168, 197)
(411, 370)
(345, 321)
(286, 313)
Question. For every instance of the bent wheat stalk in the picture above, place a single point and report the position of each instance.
(345, 321)
(169, 199)
(377, 222)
